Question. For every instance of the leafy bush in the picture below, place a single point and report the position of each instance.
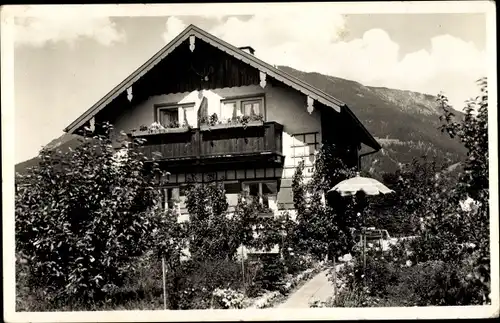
(217, 274)
(295, 263)
(448, 264)
(191, 283)
(228, 298)
(323, 228)
(212, 235)
(435, 283)
(270, 275)
(83, 217)
(393, 279)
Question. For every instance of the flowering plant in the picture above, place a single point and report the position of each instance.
(228, 298)
(266, 299)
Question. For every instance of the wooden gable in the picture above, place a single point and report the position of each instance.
(206, 67)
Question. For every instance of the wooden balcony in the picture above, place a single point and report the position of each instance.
(215, 145)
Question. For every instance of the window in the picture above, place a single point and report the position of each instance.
(176, 116)
(232, 189)
(251, 108)
(170, 197)
(231, 109)
(304, 147)
(169, 118)
(228, 111)
(174, 198)
(266, 192)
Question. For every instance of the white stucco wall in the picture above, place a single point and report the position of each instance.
(287, 107)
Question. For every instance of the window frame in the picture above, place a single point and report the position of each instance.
(261, 182)
(165, 201)
(232, 182)
(173, 106)
(240, 100)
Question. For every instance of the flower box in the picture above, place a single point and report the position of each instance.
(205, 127)
(159, 131)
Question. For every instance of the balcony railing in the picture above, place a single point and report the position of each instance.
(213, 143)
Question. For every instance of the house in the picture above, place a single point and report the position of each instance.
(213, 111)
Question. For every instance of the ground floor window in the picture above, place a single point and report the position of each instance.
(266, 192)
(232, 190)
(174, 198)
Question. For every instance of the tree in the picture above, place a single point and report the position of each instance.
(472, 131)
(417, 185)
(324, 228)
(83, 216)
(212, 234)
(448, 232)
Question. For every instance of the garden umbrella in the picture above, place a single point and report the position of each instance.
(352, 186)
(357, 184)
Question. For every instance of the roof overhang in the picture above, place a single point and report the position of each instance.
(239, 54)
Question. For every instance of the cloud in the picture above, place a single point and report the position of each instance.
(173, 27)
(313, 42)
(68, 26)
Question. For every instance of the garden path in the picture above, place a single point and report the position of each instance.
(317, 288)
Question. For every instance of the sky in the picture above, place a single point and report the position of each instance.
(65, 63)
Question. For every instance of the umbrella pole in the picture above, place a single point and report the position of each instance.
(364, 252)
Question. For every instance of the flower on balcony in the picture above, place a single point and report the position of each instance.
(213, 120)
(156, 126)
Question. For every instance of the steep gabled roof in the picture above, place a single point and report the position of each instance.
(248, 58)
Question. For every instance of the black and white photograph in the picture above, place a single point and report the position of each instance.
(249, 161)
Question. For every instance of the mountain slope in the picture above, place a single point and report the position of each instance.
(64, 142)
(405, 123)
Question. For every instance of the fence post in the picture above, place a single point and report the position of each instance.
(164, 283)
(243, 270)
(334, 278)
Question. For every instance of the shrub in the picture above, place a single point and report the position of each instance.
(214, 274)
(83, 217)
(191, 283)
(323, 229)
(392, 279)
(228, 298)
(270, 275)
(436, 283)
(252, 286)
(295, 263)
(212, 235)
